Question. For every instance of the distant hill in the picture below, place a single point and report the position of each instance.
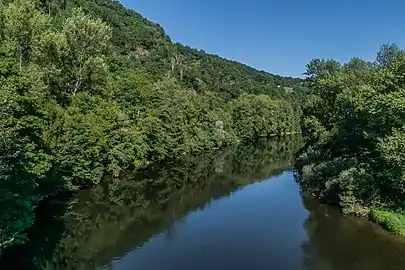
(144, 43)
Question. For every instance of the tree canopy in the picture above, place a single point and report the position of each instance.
(354, 125)
(89, 88)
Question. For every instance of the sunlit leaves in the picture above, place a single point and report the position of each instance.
(356, 112)
(92, 91)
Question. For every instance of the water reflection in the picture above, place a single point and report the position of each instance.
(206, 212)
(110, 220)
(337, 242)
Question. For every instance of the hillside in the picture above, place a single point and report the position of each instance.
(90, 88)
(144, 44)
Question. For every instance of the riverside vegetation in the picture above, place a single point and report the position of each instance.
(354, 124)
(108, 220)
(89, 88)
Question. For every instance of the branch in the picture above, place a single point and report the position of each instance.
(5, 243)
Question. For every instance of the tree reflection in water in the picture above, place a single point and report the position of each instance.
(117, 216)
(339, 242)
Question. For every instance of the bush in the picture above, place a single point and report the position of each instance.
(391, 221)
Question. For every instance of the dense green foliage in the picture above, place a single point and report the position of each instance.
(354, 124)
(89, 88)
(99, 223)
(391, 221)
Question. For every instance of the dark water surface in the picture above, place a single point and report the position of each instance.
(234, 209)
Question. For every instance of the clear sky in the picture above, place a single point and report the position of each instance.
(280, 36)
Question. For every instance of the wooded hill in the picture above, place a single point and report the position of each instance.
(144, 44)
(89, 88)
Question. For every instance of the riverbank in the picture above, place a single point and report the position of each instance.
(390, 221)
(97, 224)
(353, 124)
(219, 210)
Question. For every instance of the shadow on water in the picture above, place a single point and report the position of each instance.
(130, 221)
(43, 236)
(108, 221)
(338, 242)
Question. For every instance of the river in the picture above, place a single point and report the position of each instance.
(234, 209)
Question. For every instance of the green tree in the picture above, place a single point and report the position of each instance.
(354, 122)
(90, 88)
(75, 56)
(23, 27)
(23, 160)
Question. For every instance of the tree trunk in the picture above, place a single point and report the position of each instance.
(77, 85)
(20, 59)
(173, 60)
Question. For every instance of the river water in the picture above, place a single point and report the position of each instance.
(234, 209)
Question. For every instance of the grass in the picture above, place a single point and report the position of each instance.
(391, 221)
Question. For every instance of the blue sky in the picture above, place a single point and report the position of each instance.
(281, 36)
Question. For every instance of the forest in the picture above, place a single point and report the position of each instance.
(354, 125)
(90, 89)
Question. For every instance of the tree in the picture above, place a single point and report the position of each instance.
(23, 160)
(23, 26)
(387, 54)
(91, 89)
(75, 57)
(354, 122)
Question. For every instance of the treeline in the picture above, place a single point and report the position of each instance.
(89, 88)
(354, 122)
(112, 218)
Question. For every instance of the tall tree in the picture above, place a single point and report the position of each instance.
(23, 27)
